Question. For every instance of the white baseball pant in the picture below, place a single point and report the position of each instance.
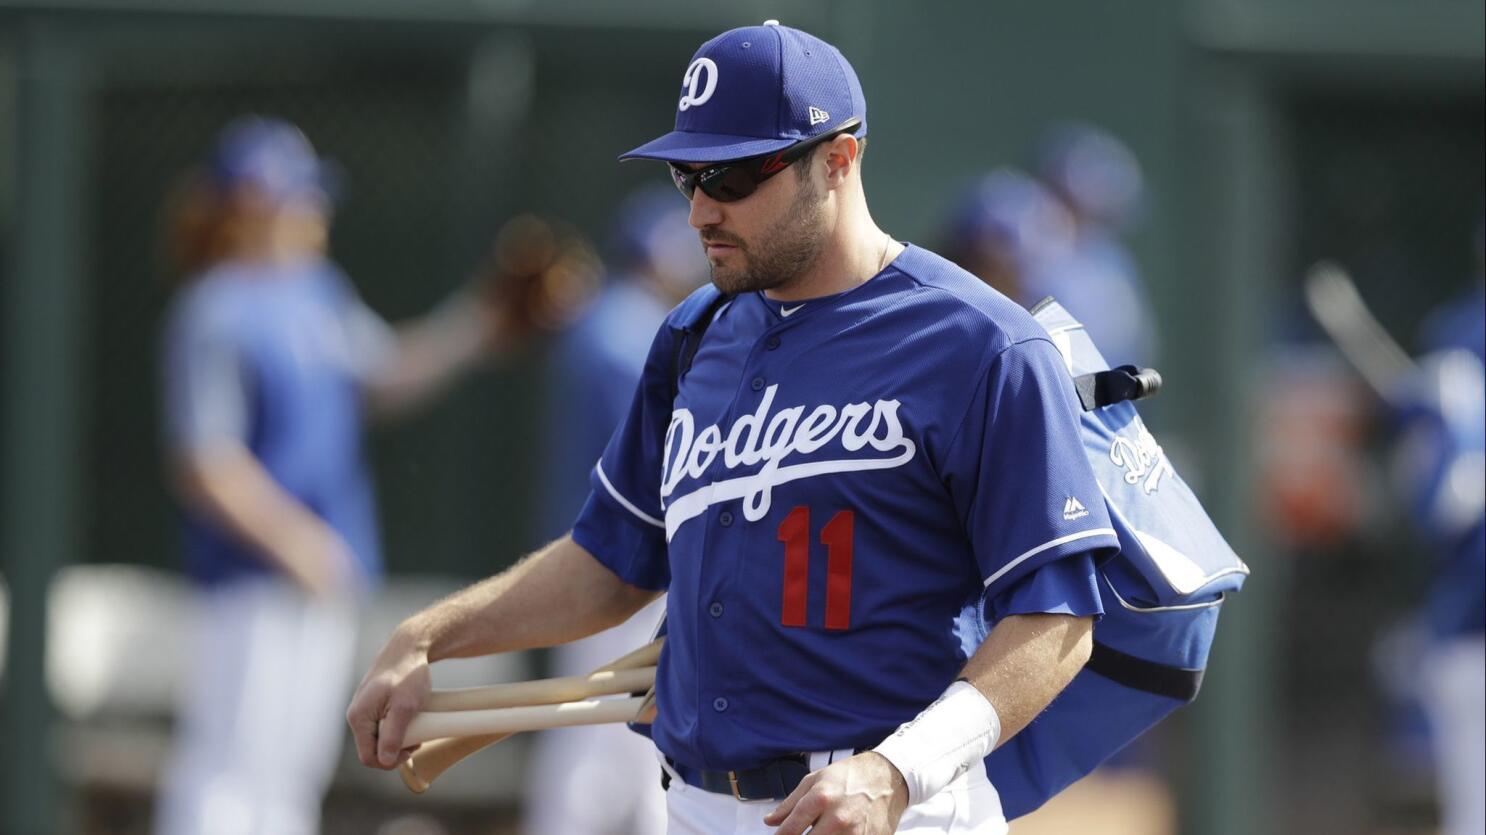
(260, 730)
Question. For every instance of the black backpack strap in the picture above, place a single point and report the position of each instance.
(1127, 382)
(1177, 683)
(688, 331)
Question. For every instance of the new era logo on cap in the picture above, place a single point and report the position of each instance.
(758, 90)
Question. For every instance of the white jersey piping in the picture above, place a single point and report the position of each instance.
(1043, 547)
(628, 505)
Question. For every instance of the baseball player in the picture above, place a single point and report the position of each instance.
(270, 361)
(1003, 227)
(831, 450)
(1442, 450)
(600, 779)
(1098, 179)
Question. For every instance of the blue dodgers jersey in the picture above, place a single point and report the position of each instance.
(830, 489)
(295, 363)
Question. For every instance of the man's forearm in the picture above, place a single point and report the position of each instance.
(559, 594)
(231, 486)
(1022, 665)
(432, 352)
(1026, 662)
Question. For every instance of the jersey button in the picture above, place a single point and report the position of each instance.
(725, 518)
(715, 610)
(772, 343)
(758, 384)
(719, 704)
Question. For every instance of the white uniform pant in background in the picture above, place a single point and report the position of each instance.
(1454, 695)
(260, 730)
(968, 806)
(600, 779)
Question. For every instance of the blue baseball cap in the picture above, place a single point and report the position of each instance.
(757, 90)
(1097, 173)
(651, 222)
(1009, 210)
(273, 156)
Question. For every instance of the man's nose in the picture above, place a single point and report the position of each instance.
(705, 211)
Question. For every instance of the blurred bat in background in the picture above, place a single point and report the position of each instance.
(1333, 300)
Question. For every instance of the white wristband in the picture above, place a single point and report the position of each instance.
(955, 732)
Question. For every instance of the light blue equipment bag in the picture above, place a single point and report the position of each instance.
(1161, 593)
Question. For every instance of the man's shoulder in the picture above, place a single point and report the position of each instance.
(945, 292)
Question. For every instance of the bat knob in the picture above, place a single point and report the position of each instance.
(410, 778)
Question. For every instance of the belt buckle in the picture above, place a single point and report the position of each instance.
(733, 783)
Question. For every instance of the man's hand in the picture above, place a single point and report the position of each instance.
(864, 795)
(317, 559)
(393, 692)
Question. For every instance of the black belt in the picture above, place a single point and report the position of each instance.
(774, 780)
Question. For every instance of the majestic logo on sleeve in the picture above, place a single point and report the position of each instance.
(869, 435)
(699, 69)
(1073, 509)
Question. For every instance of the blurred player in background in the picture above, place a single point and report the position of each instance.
(600, 780)
(1099, 181)
(271, 362)
(1441, 458)
(1003, 227)
(1009, 230)
(1058, 234)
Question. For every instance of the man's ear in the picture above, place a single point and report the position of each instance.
(842, 155)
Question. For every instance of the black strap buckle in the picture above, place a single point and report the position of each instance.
(1127, 382)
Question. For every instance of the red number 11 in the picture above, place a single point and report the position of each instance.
(837, 536)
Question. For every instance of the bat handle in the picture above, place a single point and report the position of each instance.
(432, 759)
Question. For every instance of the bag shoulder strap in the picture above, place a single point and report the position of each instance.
(688, 326)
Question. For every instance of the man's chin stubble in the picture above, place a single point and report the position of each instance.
(734, 281)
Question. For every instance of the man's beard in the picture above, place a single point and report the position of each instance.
(781, 253)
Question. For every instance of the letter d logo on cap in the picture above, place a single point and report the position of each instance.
(693, 77)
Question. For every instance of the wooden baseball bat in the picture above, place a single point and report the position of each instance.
(432, 759)
(426, 727)
(550, 691)
(1337, 305)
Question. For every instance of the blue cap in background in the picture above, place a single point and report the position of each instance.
(1095, 172)
(757, 90)
(651, 222)
(274, 157)
(1011, 211)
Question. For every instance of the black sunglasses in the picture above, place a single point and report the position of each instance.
(728, 182)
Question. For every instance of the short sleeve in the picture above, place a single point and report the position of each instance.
(1064, 587)
(370, 341)
(206, 384)
(622, 523)
(1018, 474)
